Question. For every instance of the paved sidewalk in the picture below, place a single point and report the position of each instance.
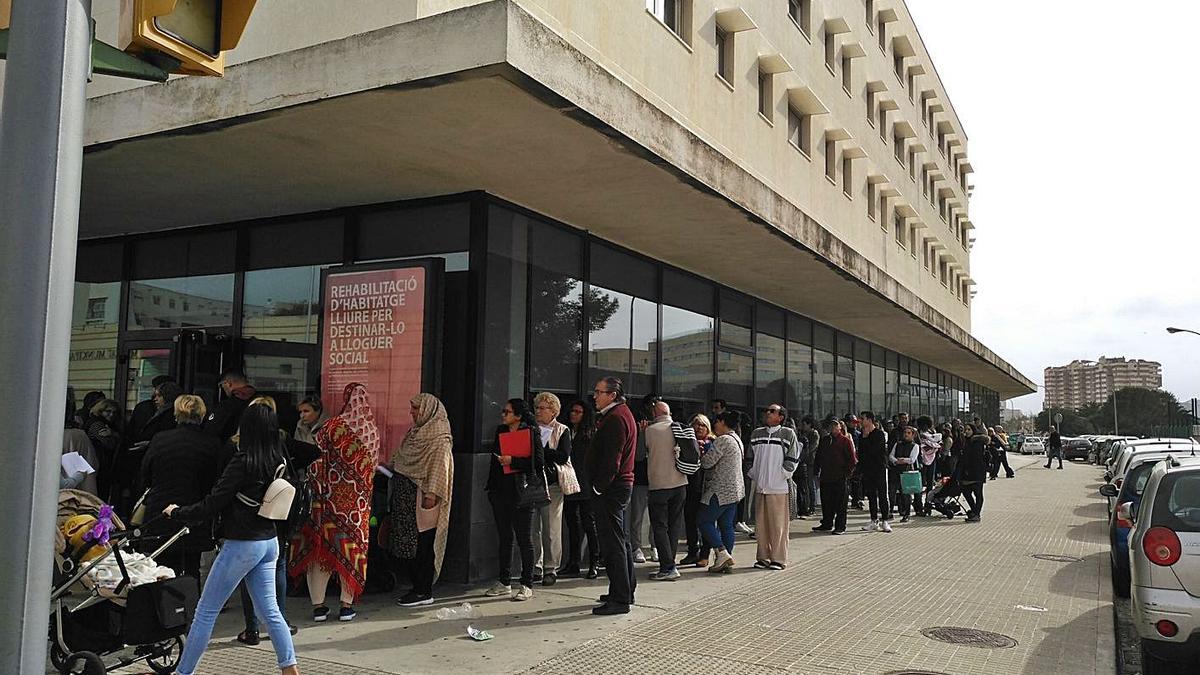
(851, 604)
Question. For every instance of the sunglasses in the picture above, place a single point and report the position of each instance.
(597, 392)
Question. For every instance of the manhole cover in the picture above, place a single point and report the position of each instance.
(913, 672)
(1055, 558)
(969, 637)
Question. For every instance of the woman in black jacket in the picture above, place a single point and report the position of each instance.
(973, 468)
(512, 518)
(251, 547)
(577, 508)
(180, 468)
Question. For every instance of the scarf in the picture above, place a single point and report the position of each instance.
(426, 458)
(335, 536)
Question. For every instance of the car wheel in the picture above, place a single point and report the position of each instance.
(1120, 581)
(1152, 665)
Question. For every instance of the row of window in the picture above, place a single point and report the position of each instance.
(674, 13)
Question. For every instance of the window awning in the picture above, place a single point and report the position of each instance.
(853, 50)
(937, 245)
(936, 107)
(968, 224)
(888, 104)
(836, 26)
(907, 211)
(888, 15)
(773, 63)
(877, 86)
(916, 69)
(903, 129)
(954, 140)
(966, 167)
(837, 134)
(878, 178)
(734, 20)
(946, 126)
(805, 100)
(945, 191)
(918, 146)
(901, 46)
(888, 190)
(969, 281)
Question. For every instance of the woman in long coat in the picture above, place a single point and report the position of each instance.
(421, 488)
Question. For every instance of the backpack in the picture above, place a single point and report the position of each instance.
(276, 502)
(301, 503)
(687, 461)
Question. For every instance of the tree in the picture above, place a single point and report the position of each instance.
(1073, 424)
(1139, 411)
(556, 330)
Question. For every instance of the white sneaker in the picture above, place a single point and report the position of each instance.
(653, 555)
(743, 528)
(638, 556)
(886, 526)
(722, 561)
(525, 593)
(497, 590)
(871, 527)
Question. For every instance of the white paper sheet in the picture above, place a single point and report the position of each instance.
(73, 463)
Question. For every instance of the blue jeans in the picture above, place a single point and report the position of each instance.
(714, 516)
(280, 591)
(253, 561)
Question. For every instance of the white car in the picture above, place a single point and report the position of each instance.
(1164, 563)
(1179, 446)
(1033, 445)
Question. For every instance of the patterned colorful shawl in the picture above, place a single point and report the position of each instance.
(335, 536)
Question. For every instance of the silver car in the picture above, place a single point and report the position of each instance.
(1164, 561)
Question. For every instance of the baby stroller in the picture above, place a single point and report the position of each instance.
(109, 601)
(946, 497)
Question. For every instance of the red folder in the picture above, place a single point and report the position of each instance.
(516, 444)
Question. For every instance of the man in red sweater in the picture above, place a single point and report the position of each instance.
(610, 466)
(833, 465)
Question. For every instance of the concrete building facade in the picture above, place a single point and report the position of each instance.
(763, 201)
(1082, 382)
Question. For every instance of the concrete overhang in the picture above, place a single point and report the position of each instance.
(918, 146)
(806, 101)
(853, 50)
(968, 224)
(734, 20)
(836, 26)
(888, 15)
(773, 63)
(888, 104)
(916, 69)
(903, 129)
(937, 108)
(488, 98)
(902, 46)
(877, 86)
(966, 168)
(907, 211)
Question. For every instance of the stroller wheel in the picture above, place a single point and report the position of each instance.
(58, 658)
(166, 656)
(83, 663)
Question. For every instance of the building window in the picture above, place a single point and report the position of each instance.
(898, 227)
(912, 242)
(925, 180)
(870, 7)
(898, 146)
(912, 81)
(925, 254)
(881, 31)
(870, 95)
(674, 14)
(870, 200)
(801, 13)
(882, 123)
(830, 50)
(725, 56)
(847, 176)
(944, 272)
(883, 211)
(847, 74)
(765, 96)
(800, 131)
(898, 63)
(912, 164)
(831, 161)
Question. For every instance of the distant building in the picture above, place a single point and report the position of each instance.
(1082, 382)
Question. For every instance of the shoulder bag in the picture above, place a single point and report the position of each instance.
(276, 502)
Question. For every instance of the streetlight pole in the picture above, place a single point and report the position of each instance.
(1116, 431)
(1173, 330)
(41, 143)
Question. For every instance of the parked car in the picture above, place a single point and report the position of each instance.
(1164, 563)
(1181, 446)
(1033, 445)
(1126, 497)
(1076, 448)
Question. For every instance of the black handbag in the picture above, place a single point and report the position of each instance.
(532, 491)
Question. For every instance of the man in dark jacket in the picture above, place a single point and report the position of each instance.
(834, 463)
(223, 421)
(872, 470)
(803, 477)
(1054, 447)
(610, 465)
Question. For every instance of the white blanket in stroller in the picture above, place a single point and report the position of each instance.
(141, 568)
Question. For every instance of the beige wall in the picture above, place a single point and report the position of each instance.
(679, 76)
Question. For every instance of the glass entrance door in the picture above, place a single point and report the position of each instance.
(143, 364)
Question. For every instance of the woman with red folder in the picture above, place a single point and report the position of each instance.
(518, 452)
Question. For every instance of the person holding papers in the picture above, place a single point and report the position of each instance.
(518, 461)
(79, 457)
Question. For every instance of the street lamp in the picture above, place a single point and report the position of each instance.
(1172, 330)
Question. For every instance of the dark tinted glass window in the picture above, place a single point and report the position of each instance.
(418, 231)
(184, 255)
(800, 380)
(99, 262)
(505, 317)
(688, 292)
(623, 272)
(769, 357)
(307, 242)
(687, 354)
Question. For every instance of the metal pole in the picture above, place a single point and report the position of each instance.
(41, 160)
(1116, 431)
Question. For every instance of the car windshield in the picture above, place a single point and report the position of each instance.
(1135, 482)
(1177, 505)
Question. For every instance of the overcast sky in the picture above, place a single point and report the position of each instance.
(1086, 186)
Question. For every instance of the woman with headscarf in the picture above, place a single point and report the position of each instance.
(76, 440)
(103, 430)
(421, 486)
(334, 540)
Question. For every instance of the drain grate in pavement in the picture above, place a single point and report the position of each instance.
(969, 637)
(1055, 558)
(914, 672)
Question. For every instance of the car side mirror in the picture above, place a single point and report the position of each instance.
(1108, 490)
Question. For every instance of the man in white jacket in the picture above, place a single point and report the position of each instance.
(774, 454)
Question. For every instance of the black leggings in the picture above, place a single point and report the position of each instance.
(973, 493)
(577, 518)
(875, 487)
(512, 520)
